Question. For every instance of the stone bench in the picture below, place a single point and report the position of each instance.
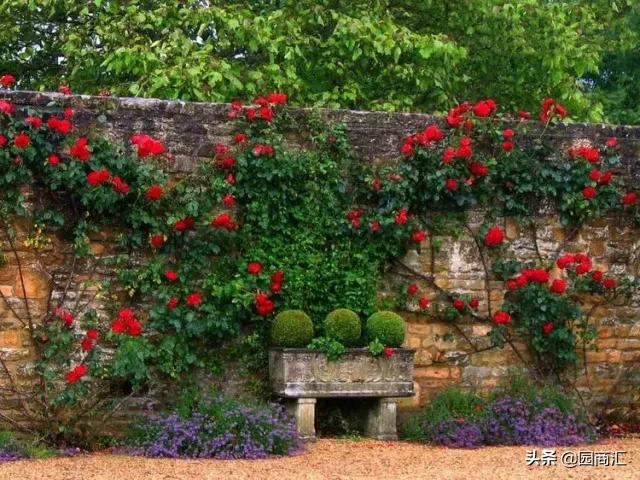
(301, 376)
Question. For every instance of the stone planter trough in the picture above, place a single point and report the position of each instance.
(302, 376)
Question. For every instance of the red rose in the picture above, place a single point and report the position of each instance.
(266, 114)
(609, 283)
(146, 145)
(154, 192)
(612, 142)
(606, 178)
(250, 113)
(547, 328)
(263, 304)
(629, 198)
(596, 276)
(412, 289)
(589, 192)
(423, 302)
(194, 299)
(86, 344)
(278, 276)
(478, 169)
(223, 220)
(277, 98)
(564, 261)
(507, 133)
(93, 334)
(419, 236)
(65, 315)
(474, 303)
(126, 314)
(501, 317)
(117, 326)
(53, 160)
(240, 137)
(254, 268)
(59, 125)
(558, 285)
(451, 184)
(448, 155)
(157, 240)
(536, 275)
(3, 140)
(511, 284)
(22, 140)
(494, 236)
(6, 107)
(227, 162)
(64, 89)
(68, 113)
(523, 115)
(228, 200)
(583, 268)
(76, 373)
(481, 109)
(184, 224)
(134, 328)
(170, 275)
(406, 149)
(401, 217)
(507, 146)
(98, 177)
(35, 122)
(376, 184)
(230, 178)
(595, 175)
(119, 185)
(388, 352)
(7, 80)
(374, 226)
(80, 149)
(458, 304)
(172, 303)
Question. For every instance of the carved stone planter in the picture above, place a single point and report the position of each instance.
(304, 375)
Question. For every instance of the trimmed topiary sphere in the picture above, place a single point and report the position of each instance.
(291, 328)
(388, 327)
(343, 325)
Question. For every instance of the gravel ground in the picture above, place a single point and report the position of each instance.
(337, 459)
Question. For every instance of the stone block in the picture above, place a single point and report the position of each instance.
(36, 284)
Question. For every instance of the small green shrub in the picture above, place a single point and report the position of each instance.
(388, 327)
(344, 326)
(333, 348)
(291, 328)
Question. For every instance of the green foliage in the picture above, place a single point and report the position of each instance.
(383, 55)
(332, 347)
(291, 328)
(343, 325)
(387, 327)
(375, 347)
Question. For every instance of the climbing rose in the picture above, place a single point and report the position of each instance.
(7, 80)
(65, 315)
(494, 236)
(612, 142)
(261, 150)
(170, 275)
(478, 169)
(451, 184)
(76, 373)
(254, 268)
(184, 224)
(595, 175)
(156, 240)
(388, 352)
(53, 160)
(276, 287)
(172, 303)
(119, 185)
(240, 137)
(86, 344)
(227, 162)
(629, 198)
(524, 115)
(147, 145)
(511, 284)
(230, 178)
(59, 125)
(419, 236)
(223, 220)
(35, 122)
(3, 140)
(596, 276)
(474, 303)
(401, 216)
(93, 334)
(501, 317)
(376, 184)
(458, 304)
(98, 177)
(583, 268)
(558, 285)
(547, 328)
(565, 260)
(589, 192)
(277, 98)
(537, 275)
(278, 276)
(154, 192)
(22, 140)
(64, 89)
(6, 107)
(609, 283)
(266, 114)
(448, 155)
(194, 299)
(228, 200)
(423, 302)
(264, 305)
(412, 289)
(374, 226)
(606, 178)
(507, 146)
(68, 113)
(482, 109)
(80, 149)
(507, 133)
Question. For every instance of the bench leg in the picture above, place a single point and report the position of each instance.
(304, 411)
(381, 420)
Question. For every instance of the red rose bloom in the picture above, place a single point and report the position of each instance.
(146, 145)
(266, 114)
(22, 140)
(53, 160)
(184, 224)
(240, 137)
(507, 133)
(98, 177)
(76, 373)
(558, 286)
(6, 107)
(406, 149)
(228, 200)
(374, 226)
(3, 140)
(589, 192)
(501, 317)
(254, 268)
(376, 184)
(401, 216)
(172, 303)
(68, 113)
(156, 240)
(596, 276)
(494, 236)
(80, 149)
(86, 344)
(263, 304)
(118, 326)
(474, 303)
(547, 328)
(595, 175)
(35, 122)
(423, 302)
(65, 315)
(419, 236)
(609, 283)
(482, 109)
(606, 178)
(458, 304)
(227, 162)
(154, 192)
(612, 142)
(412, 289)
(59, 125)
(118, 185)
(507, 146)
(564, 261)
(170, 275)
(537, 275)
(194, 299)
(448, 155)
(583, 268)
(7, 80)
(278, 276)
(223, 220)
(451, 184)
(511, 284)
(478, 169)
(388, 352)
(629, 198)
(276, 287)
(93, 334)
(64, 89)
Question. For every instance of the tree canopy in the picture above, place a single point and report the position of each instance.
(370, 54)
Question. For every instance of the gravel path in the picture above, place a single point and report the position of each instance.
(337, 459)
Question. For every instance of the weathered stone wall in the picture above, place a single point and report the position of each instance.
(443, 355)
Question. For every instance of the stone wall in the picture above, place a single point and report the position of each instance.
(444, 355)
